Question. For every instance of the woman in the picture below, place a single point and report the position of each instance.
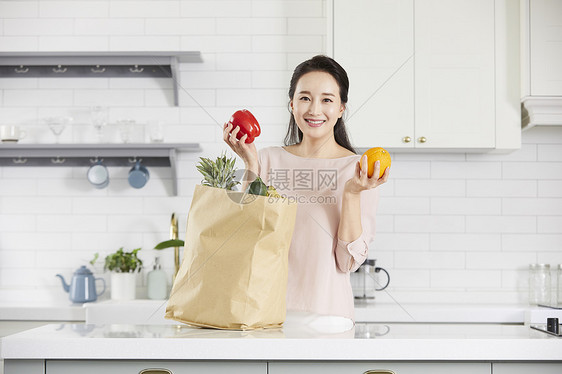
(319, 169)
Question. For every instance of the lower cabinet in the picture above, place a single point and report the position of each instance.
(9, 327)
(379, 368)
(527, 367)
(274, 367)
(153, 367)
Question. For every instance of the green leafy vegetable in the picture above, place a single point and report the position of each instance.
(170, 243)
(257, 187)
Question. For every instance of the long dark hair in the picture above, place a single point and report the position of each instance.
(330, 66)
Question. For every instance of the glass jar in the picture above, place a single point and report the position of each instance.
(539, 284)
(365, 281)
(559, 285)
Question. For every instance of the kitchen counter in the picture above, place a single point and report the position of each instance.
(30, 311)
(440, 313)
(129, 336)
(152, 312)
(366, 341)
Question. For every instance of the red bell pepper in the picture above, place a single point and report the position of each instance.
(247, 123)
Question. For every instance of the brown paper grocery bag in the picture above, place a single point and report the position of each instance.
(234, 270)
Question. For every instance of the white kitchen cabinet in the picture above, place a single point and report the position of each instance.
(454, 73)
(373, 41)
(541, 56)
(153, 367)
(430, 74)
(378, 368)
(545, 38)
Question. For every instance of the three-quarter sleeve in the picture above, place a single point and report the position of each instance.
(350, 255)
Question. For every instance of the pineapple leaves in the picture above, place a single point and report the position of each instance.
(219, 173)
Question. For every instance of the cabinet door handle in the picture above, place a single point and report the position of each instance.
(422, 139)
(379, 372)
(155, 371)
(406, 139)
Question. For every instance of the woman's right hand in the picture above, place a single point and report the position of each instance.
(247, 151)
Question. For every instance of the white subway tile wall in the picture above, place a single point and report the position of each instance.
(451, 226)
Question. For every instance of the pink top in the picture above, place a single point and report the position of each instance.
(319, 263)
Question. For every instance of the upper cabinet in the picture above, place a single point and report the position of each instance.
(430, 74)
(545, 44)
(374, 42)
(454, 74)
(541, 71)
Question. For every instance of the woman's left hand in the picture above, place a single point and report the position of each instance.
(361, 181)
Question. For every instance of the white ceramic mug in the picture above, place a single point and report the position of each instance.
(98, 175)
(11, 133)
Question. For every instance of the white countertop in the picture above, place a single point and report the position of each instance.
(152, 312)
(42, 311)
(441, 313)
(136, 329)
(434, 342)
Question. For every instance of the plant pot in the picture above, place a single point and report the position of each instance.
(123, 286)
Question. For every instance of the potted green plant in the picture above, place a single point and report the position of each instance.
(123, 267)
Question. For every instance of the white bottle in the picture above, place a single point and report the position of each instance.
(157, 282)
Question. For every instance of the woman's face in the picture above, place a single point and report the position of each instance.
(316, 104)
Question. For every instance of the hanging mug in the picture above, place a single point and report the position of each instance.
(98, 175)
(138, 175)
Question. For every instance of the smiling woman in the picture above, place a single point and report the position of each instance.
(317, 105)
(326, 72)
(319, 169)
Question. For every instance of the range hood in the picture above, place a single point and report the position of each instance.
(96, 65)
(541, 111)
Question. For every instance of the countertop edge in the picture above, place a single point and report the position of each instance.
(543, 348)
(75, 312)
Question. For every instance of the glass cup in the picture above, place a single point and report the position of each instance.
(126, 127)
(559, 285)
(57, 125)
(155, 131)
(539, 284)
(99, 116)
